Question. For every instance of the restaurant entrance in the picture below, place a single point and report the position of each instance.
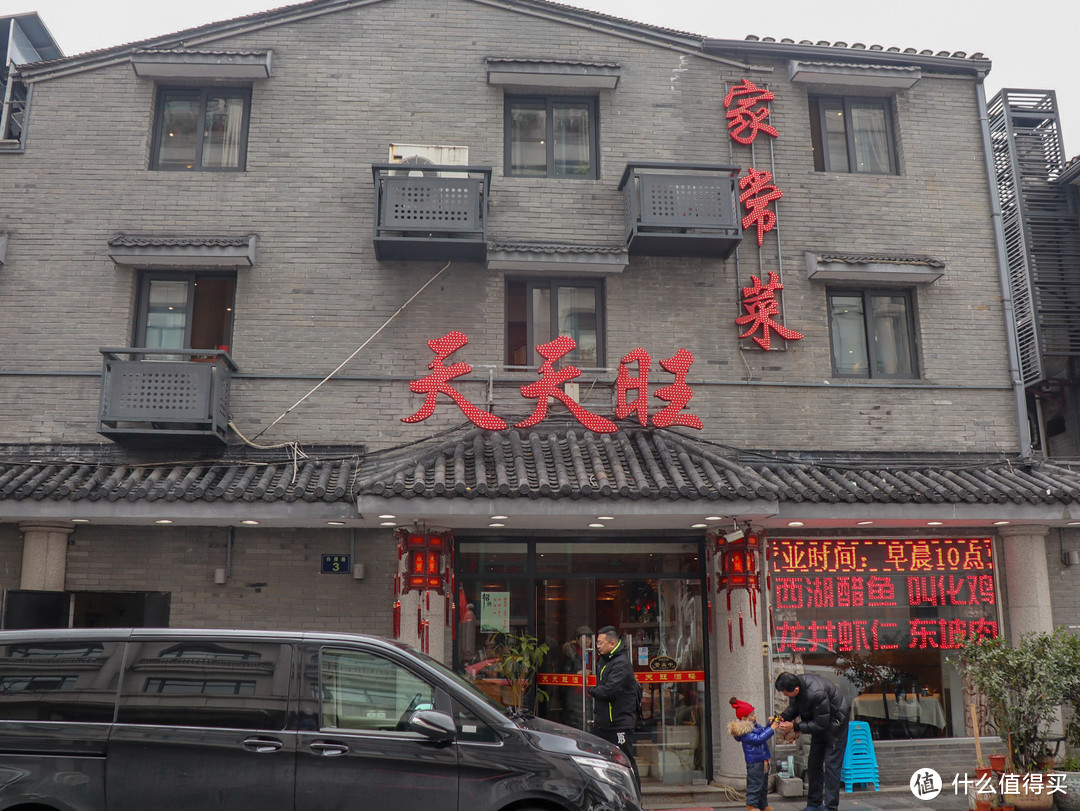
(562, 591)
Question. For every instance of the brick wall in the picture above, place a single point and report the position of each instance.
(347, 84)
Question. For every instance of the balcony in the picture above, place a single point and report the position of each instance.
(432, 212)
(165, 396)
(677, 209)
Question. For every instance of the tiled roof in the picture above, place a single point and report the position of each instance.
(865, 259)
(310, 480)
(563, 461)
(131, 241)
(639, 463)
(570, 62)
(199, 52)
(858, 46)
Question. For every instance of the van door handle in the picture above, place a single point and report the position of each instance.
(328, 749)
(262, 744)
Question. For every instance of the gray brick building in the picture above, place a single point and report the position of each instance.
(198, 230)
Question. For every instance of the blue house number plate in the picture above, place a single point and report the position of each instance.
(336, 564)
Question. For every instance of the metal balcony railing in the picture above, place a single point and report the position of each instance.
(165, 394)
(678, 209)
(431, 212)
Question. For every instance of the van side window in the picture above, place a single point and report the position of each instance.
(202, 683)
(471, 729)
(365, 692)
(59, 681)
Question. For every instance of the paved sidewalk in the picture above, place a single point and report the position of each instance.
(889, 798)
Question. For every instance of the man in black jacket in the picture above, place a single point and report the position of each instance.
(823, 712)
(615, 694)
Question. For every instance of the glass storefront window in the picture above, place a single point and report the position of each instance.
(651, 591)
(879, 617)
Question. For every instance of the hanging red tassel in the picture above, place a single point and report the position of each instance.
(772, 627)
(427, 600)
(709, 612)
(729, 600)
(446, 610)
(742, 641)
(730, 639)
(419, 619)
(453, 621)
(397, 619)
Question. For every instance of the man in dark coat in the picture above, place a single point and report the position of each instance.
(823, 713)
(615, 694)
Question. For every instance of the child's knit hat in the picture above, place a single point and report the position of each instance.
(742, 709)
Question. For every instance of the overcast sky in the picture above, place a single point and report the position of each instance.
(1031, 46)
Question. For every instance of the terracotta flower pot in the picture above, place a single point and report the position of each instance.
(982, 805)
(983, 771)
(1024, 800)
(997, 763)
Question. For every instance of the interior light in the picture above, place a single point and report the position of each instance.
(250, 522)
(1074, 523)
(698, 526)
(1001, 523)
(865, 523)
(597, 526)
(80, 520)
(935, 523)
(605, 518)
(498, 518)
(387, 515)
(795, 523)
(714, 518)
(496, 524)
(335, 523)
(163, 521)
(388, 524)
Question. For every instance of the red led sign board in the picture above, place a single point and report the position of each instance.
(927, 593)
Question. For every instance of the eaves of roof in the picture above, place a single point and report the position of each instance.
(857, 53)
(192, 38)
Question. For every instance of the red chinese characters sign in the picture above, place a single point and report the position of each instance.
(853, 595)
(759, 301)
(677, 395)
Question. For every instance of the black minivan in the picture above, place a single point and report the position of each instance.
(156, 719)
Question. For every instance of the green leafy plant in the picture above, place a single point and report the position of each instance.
(519, 660)
(1024, 683)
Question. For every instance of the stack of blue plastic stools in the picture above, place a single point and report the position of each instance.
(860, 762)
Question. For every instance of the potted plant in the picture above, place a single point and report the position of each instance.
(1024, 683)
(519, 659)
(1069, 798)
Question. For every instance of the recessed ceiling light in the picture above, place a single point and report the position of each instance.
(387, 516)
(596, 526)
(1001, 523)
(865, 523)
(498, 518)
(1074, 523)
(335, 523)
(698, 526)
(795, 523)
(935, 523)
(714, 518)
(388, 524)
(250, 523)
(496, 524)
(163, 521)
(605, 518)
(80, 520)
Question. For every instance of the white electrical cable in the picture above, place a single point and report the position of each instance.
(358, 350)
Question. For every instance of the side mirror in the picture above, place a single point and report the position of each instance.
(437, 726)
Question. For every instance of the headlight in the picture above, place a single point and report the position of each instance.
(607, 772)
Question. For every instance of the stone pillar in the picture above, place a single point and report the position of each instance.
(1027, 582)
(740, 672)
(44, 563)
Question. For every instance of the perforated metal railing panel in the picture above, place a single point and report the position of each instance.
(686, 202)
(165, 392)
(431, 203)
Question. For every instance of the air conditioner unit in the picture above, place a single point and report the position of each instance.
(420, 155)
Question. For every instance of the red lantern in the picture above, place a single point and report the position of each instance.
(738, 561)
(425, 564)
